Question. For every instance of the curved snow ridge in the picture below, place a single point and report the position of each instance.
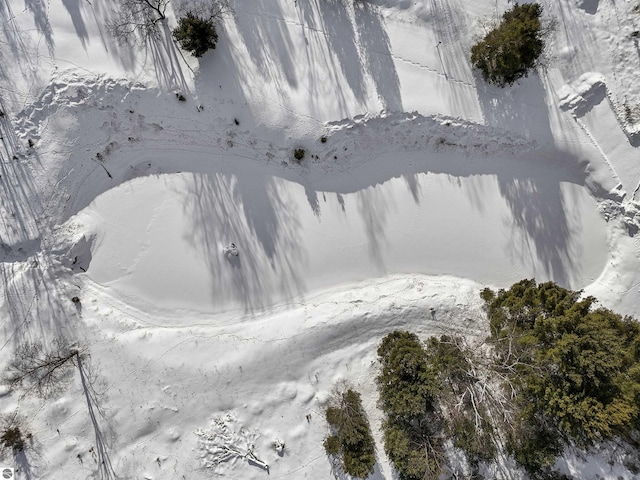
(101, 132)
(415, 131)
(428, 304)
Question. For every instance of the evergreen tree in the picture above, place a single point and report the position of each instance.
(510, 50)
(576, 369)
(408, 387)
(352, 439)
(195, 34)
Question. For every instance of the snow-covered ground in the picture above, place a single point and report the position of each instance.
(430, 186)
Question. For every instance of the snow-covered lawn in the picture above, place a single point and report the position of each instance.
(430, 185)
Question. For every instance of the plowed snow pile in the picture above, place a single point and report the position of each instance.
(127, 172)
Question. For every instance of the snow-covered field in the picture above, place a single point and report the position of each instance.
(430, 186)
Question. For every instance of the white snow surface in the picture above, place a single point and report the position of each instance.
(170, 250)
(430, 186)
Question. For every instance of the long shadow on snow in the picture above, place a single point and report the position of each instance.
(31, 306)
(39, 10)
(164, 58)
(105, 469)
(519, 108)
(228, 208)
(82, 14)
(336, 35)
(74, 9)
(536, 203)
(267, 38)
(376, 51)
(360, 46)
(449, 20)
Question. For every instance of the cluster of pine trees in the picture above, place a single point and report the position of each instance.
(575, 369)
(556, 371)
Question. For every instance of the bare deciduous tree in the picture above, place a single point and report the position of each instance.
(137, 20)
(40, 369)
(207, 9)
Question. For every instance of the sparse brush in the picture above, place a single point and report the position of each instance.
(12, 436)
(298, 154)
(11, 439)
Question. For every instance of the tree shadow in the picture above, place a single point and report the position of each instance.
(18, 192)
(520, 108)
(537, 205)
(105, 468)
(538, 209)
(252, 211)
(30, 301)
(376, 52)
(374, 210)
(166, 62)
(31, 304)
(39, 10)
(339, 41)
(268, 41)
(24, 464)
(73, 7)
(334, 20)
(85, 17)
(16, 45)
(103, 14)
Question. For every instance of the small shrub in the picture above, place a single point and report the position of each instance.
(195, 34)
(323, 139)
(181, 97)
(510, 50)
(298, 154)
(279, 446)
(11, 439)
(31, 143)
(75, 300)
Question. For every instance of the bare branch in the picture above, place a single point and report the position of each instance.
(40, 369)
(137, 20)
(207, 9)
